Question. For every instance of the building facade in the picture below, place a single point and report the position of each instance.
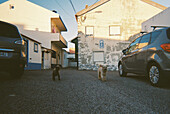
(159, 20)
(104, 29)
(33, 53)
(41, 29)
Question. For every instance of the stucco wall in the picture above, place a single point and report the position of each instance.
(65, 60)
(34, 57)
(47, 60)
(112, 52)
(33, 17)
(128, 14)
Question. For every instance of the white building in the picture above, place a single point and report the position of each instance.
(161, 19)
(65, 54)
(104, 29)
(41, 29)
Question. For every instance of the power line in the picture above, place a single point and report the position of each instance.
(96, 1)
(63, 9)
(72, 6)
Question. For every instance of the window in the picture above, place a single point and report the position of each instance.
(98, 56)
(53, 54)
(8, 30)
(155, 35)
(90, 31)
(114, 31)
(35, 47)
(144, 41)
(134, 45)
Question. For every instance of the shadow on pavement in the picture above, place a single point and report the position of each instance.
(4, 76)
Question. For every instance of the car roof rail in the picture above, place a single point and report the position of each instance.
(154, 27)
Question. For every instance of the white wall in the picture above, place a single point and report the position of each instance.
(28, 15)
(47, 60)
(32, 20)
(65, 63)
(34, 57)
(161, 19)
(128, 14)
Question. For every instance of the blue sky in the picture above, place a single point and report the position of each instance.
(64, 8)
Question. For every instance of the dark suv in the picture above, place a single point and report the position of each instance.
(148, 54)
(12, 50)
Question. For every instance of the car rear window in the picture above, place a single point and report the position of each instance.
(144, 41)
(7, 30)
(168, 33)
(155, 35)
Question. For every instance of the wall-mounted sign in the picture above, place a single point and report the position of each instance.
(101, 42)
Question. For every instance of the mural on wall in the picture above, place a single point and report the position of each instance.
(101, 44)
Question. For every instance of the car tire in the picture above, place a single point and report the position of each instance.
(154, 74)
(122, 72)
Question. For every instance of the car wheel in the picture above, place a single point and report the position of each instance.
(154, 74)
(122, 72)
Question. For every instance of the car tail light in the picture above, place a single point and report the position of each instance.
(166, 47)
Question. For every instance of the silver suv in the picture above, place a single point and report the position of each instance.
(148, 54)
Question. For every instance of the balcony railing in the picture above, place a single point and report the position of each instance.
(59, 40)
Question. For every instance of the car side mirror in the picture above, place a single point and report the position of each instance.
(124, 51)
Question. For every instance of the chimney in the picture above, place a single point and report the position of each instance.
(86, 6)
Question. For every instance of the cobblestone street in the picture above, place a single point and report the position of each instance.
(81, 92)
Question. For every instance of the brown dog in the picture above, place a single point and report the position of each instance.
(56, 72)
(102, 73)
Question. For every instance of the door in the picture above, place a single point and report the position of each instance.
(140, 60)
(129, 59)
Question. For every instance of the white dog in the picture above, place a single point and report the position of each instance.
(102, 73)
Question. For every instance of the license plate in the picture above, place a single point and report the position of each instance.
(3, 54)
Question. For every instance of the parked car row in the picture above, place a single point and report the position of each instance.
(148, 54)
(12, 50)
